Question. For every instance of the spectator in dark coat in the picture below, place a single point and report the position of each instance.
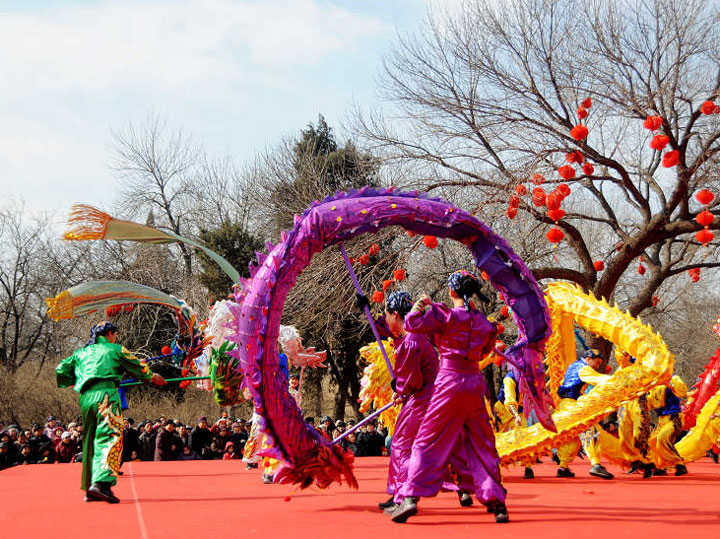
(5, 460)
(131, 436)
(188, 454)
(38, 441)
(201, 437)
(349, 443)
(166, 443)
(146, 443)
(25, 456)
(370, 443)
(238, 436)
(13, 450)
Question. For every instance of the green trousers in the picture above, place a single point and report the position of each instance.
(102, 434)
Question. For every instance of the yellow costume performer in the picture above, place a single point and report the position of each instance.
(666, 402)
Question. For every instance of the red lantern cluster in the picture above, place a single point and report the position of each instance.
(579, 132)
(582, 111)
(659, 142)
(671, 158)
(430, 242)
(708, 107)
(555, 235)
(653, 123)
(374, 249)
(399, 274)
(704, 218)
(599, 265)
(588, 169)
(694, 274)
(566, 172)
(538, 196)
(574, 157)
(378, 297)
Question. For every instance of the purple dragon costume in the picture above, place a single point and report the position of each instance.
(307, 456)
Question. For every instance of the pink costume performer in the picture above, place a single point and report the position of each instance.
(416, 367)
(456, 413)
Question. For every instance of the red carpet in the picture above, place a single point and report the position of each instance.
(220, 499)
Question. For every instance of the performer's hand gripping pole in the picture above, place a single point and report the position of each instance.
(366, 308)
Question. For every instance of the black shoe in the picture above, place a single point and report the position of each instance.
(405, 510)
(713, 456)
(529, 474)
(387, 503)
(87, 499)
(635, 467)
(101, 492)
(251, 466)
(565, 472)
(598, 470)
(661, 473)
(555, 459)
(465, 498)
(121, 473)
(391, 509)
(500, 512)
(680, 469)
(267, 478)
(648, 470)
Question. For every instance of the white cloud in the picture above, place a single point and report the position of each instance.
(70, 72)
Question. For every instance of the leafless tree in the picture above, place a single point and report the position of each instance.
(485, 96)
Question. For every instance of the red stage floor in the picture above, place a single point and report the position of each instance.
(220, 499)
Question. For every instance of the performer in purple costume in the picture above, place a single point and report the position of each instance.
(416, 367)
(456, 413)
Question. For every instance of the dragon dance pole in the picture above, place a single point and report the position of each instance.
(368, 418)
(366, 308)
(167, 380)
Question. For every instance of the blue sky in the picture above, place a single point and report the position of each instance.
(235, 75)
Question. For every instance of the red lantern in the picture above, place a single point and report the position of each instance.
(574, 157)
(387, 283)
(430, 242)
(659, 142)
(694, 274)
(566, 172)
(599, 265)
(538, 179)
(582, 113)
(500, 328)
(484, 275)
(704, 236)
(588, 169)
(166, 350)
(708, 107)
(671, 158)
(411, 234)
(579, 132)
(653, 123)
(374, 249)
(514, 201)
(553, 201)
(510, 213)
(378, 297)
(555, 235)
(399, 274)
(521, 190)
(587, 103)
(505, 311)
(556, 215)
(641, 269)
(705, 196)
(655, 301)
(364, 259)
(538, 196)
(705, 218)
(564, 189)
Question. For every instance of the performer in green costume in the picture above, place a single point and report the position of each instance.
(95, 372)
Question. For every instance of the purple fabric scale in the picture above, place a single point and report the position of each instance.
(336, 220)
(456, 426)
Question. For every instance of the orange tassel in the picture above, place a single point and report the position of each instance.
(87, 223)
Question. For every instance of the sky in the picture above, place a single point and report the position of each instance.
(235, 75)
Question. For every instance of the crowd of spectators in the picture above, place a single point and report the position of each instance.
(167, 439)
